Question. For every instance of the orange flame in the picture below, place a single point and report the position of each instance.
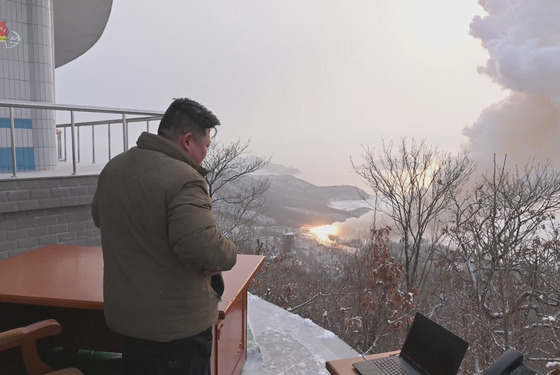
(324, 232)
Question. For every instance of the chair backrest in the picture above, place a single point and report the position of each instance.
(26, 337)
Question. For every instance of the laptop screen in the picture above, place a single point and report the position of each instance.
(432, 349)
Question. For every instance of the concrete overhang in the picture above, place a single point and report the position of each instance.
(78, 25)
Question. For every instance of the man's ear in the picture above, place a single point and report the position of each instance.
(185, 140)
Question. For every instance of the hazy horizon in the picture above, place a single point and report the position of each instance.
(309, 83)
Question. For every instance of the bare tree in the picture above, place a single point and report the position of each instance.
(237, 193)
(352, 294)
(506, 245)
(378, 308)
(415, 185)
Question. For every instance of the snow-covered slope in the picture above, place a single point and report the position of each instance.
(285, 343)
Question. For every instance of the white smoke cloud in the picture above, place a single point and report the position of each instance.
(360, 227)
(522, 38)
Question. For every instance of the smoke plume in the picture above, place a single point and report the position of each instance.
(522, 38)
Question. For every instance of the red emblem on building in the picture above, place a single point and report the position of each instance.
(3, 30)
(7, 36)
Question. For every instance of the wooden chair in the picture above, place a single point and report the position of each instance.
(27, 337)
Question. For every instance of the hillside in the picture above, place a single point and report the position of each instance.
(294, 202)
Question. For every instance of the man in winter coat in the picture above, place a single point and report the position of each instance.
(162, 252)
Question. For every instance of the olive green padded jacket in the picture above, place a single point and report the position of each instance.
(158, 235)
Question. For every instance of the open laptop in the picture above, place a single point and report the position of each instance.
(429, 349)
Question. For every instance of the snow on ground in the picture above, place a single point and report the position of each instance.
(282, 343)
(350, 205)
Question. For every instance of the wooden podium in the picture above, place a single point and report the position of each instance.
(66, 283)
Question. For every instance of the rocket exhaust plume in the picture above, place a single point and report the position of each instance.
(522, 38)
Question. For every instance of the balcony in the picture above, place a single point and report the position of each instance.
(278, 341)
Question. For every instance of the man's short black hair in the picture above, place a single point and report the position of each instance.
(186, 116)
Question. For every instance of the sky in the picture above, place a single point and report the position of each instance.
(309, 83)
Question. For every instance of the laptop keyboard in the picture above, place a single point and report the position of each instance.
(390, 367)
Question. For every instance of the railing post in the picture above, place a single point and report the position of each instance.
(93, 144)
(73, 134)
(59, 143)
(109, 138)
(125, 132)
(13, 136)
(65, 143)
(78, 144)
(148, 126)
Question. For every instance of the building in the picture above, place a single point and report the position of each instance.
(36, 37)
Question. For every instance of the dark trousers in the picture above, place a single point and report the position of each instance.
(188, 356)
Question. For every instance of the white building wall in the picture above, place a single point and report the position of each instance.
(27, 74)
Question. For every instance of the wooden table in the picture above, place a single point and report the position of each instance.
(344, 366)
(66, 283)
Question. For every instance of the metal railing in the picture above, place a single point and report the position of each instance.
(125, 117)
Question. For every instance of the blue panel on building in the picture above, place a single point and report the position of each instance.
(19, 123)
(25, 159)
